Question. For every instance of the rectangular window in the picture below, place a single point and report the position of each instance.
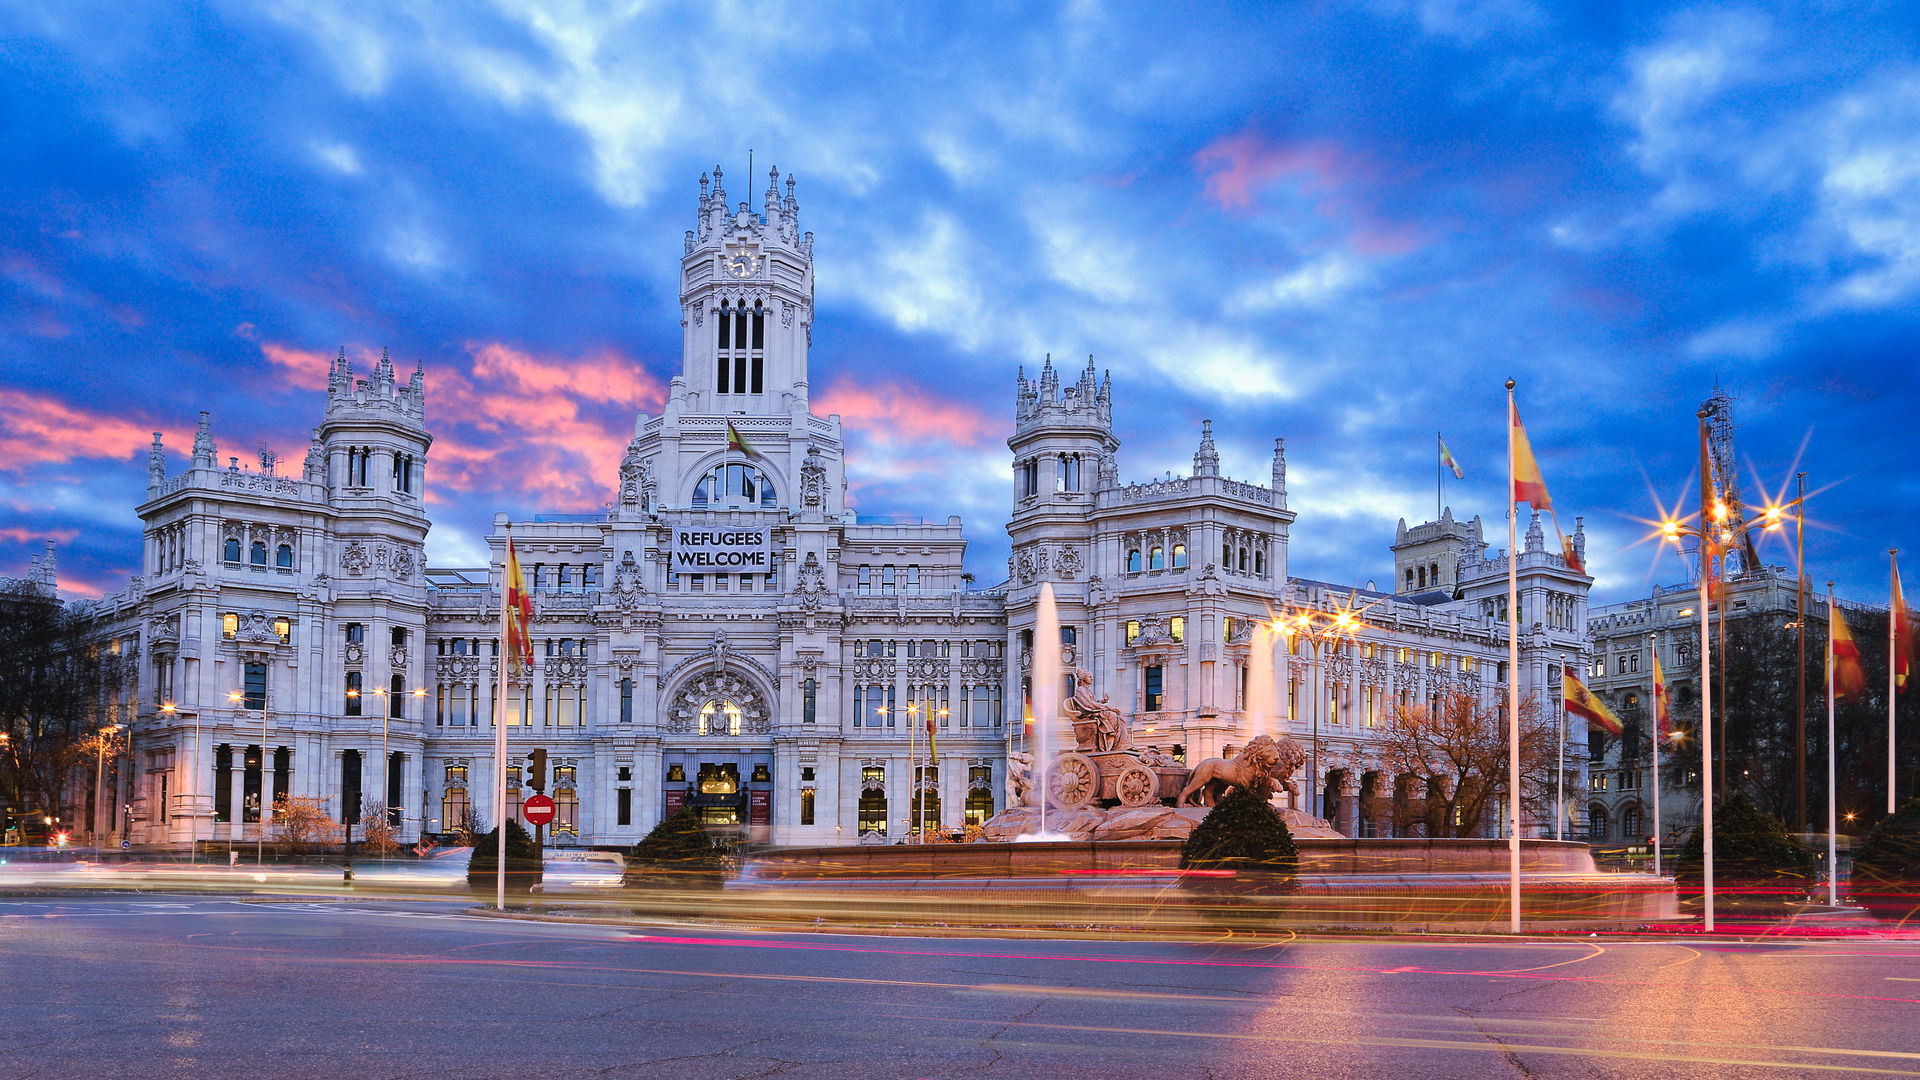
(254, 693)
(356, 633)
(1177, 627)
(886, 581)
(865, 580)
(626, 701)
(283, 629)
(1152, 687)
(623, 806)
(759, 363)
(808, 695)
(396, 695)
(1333, 703)
(913, 579)
(353, 693)
(806, 806)
(229, 625)
(223, 783)
(350, 787)
(1133, 630)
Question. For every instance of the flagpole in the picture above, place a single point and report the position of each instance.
(1513, 676)
(1833, 865)
(1439, 479)
(1659, 704)
(1893, 659)
(1706, 677)
(500, 732)
(1560, 756)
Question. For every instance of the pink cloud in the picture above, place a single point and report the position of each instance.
(895, 413)
(36, 429)
(1240, 169)
(544, 426)
(20, 535)
(306, 366)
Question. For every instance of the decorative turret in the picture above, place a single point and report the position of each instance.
(1536, 537)
(1206, 460)
(156, 464)
(205, 456)
(1063, 442)
(1087, 403)
(1580, 539)
(315, 467)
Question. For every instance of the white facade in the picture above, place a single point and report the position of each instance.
(789, 701)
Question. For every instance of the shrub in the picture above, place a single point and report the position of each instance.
(678, 853)
(523, 859)
(1752, 852)
(1886, 869)
(1244, 834)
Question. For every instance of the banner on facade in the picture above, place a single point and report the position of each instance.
(759, 807)
(676, 798)
(715, 549)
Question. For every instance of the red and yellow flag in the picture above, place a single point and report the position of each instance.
(1581, 702)
(519, 610)
(737, 441)
(1662, 713)
(1528, 486)
(1902, 635)
(1844, 674)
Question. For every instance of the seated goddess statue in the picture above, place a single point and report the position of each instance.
(1110, 729)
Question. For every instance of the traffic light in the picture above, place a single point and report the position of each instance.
(537, 770)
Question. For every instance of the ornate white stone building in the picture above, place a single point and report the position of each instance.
(292, 639)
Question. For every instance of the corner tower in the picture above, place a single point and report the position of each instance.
(746, 291)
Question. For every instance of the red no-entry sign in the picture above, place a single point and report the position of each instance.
(538, 810)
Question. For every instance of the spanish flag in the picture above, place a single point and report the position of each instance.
(1446, 459)
(737, 441)
(518, 610)
(1662, 713)
(1528, 486)
(1843, 657)
(1902, 635)
(1581, 702)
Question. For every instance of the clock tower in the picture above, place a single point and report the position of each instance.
(746, 294)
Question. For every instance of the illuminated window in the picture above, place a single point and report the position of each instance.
(1157, 558)
(229, 625)
(1177, 627)
(1133, 630)
(1179, 556)
(353, 693)
(284, 630)
(719, 717)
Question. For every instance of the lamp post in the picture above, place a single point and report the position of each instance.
(913, 772)
(100, 780)
(1305, 623)
(1560, 760)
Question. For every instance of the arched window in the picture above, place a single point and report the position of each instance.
(259, 553)
(1157, 558)
(283, 558)
(1433, 574)
(1243, 560)
(1260, 563)
(1179, 556)
(1133, 561)
(1630, 824)
(735, 485)
(232, 553)
(720, 717)
(1596, 823)
(1423, 576)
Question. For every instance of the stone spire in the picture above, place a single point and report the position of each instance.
(1536, 537)
(1206, 460)
(205, 456)
(1580, 538)
(156, 464)
(383, 374)
(1280, 473)
(42, 571)
(340, 375)
(315, 467)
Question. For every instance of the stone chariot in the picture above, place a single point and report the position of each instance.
(1103, 766)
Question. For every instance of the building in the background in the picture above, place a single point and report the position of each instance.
(729, 635)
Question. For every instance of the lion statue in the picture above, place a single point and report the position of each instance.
(1259, 766)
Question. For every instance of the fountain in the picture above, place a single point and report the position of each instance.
(1045, 677)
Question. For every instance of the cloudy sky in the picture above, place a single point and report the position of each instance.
(1344, 223)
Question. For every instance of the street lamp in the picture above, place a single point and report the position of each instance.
(1672, 529)
(1317, 627)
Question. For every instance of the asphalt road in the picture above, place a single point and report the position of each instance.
(198, 987)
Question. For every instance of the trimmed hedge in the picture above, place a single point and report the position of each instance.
(523, 859)
(678, 853)
(1244, 834)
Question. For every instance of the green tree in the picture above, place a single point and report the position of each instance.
(1753, 855)
(680, 853)
(523, 859)
(1886, 869)
(1244, 834)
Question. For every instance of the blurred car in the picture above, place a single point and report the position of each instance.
(584, 869)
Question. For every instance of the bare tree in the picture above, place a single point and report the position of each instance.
(304, 822)
(58, 680)
(1458, 753)
(377, 828)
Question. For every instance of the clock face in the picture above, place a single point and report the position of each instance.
(741, 262)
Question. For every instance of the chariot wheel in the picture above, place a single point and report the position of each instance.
(1136, 786)
(1073, 781)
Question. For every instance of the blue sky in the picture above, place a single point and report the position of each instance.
(1343, 223)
